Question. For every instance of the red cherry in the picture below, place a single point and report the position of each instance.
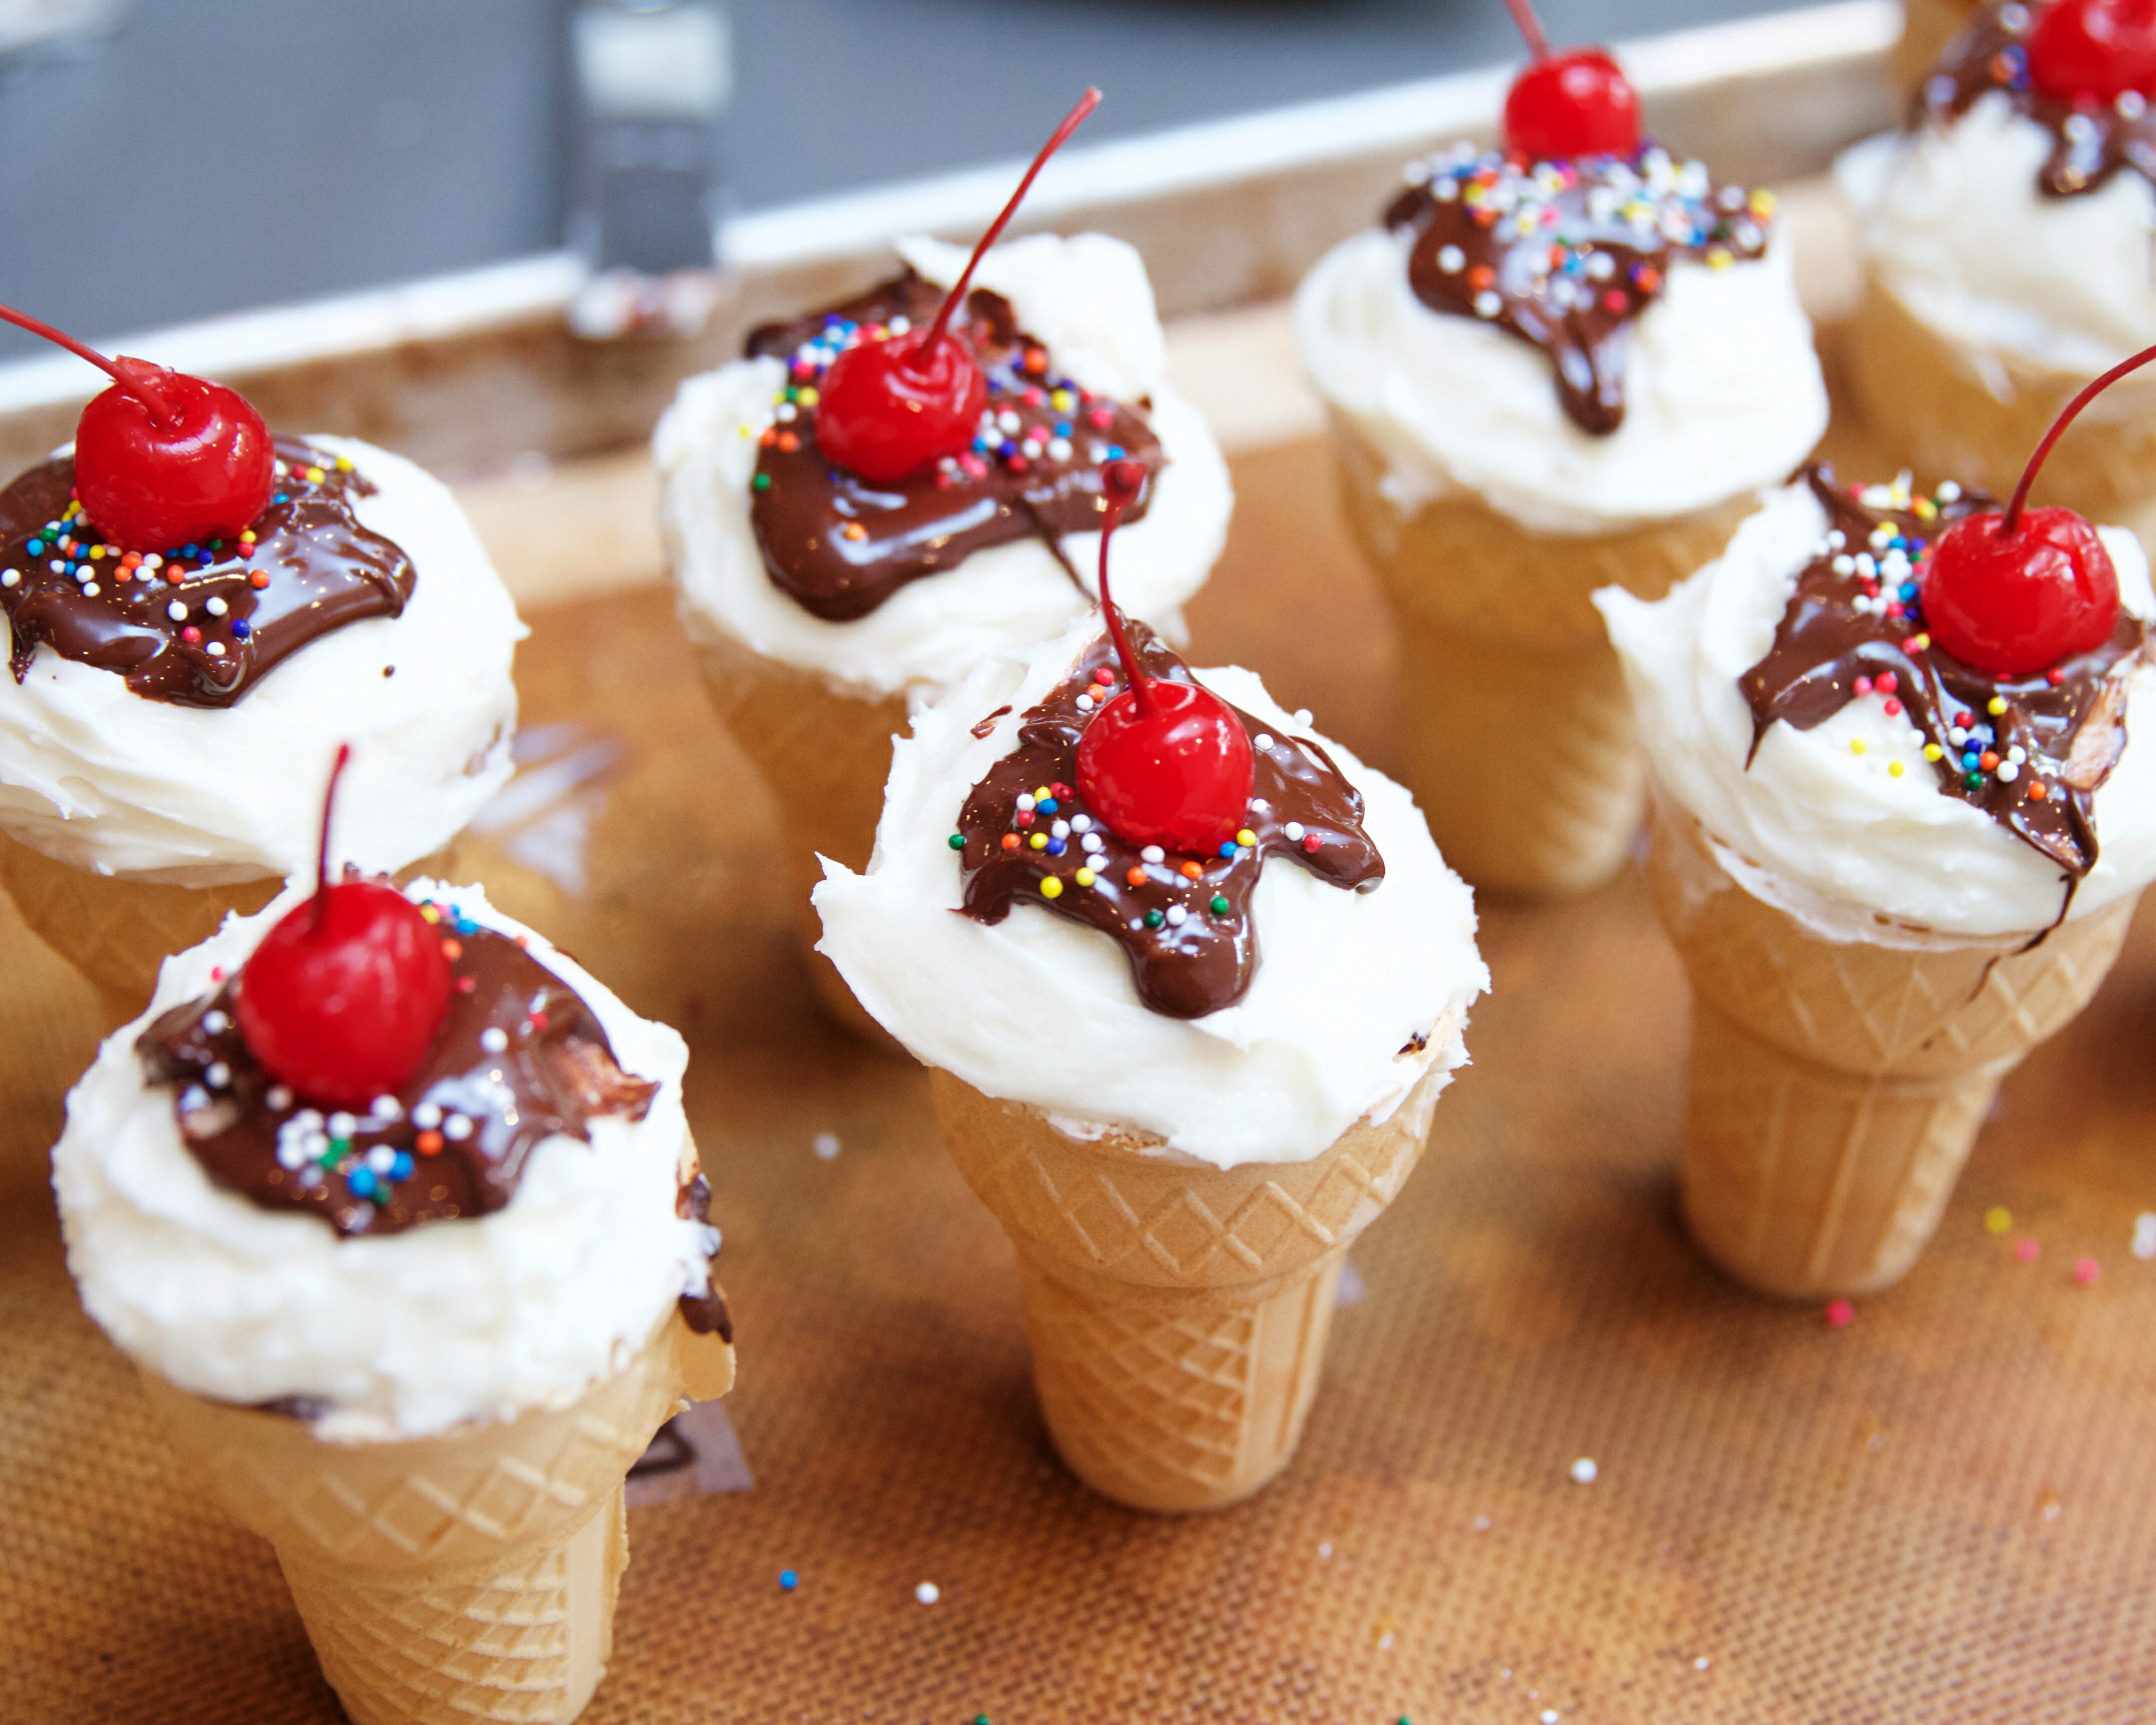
(2016, 593)
(345, 997)
(2014, 603)
(1164, 763)
(163, 459)
(2090, 52)
(1572, 104)
(887, 410)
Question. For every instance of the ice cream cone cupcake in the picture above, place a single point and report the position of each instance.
(1211, 977)
(828, 581)
(1560, 365)
(2005, 235)
(1900, 829)
(416, 1341)
(153, 732)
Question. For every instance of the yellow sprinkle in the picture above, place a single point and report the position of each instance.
(344, 463)
(314, 475)
(1041, 793)
(1995, 705)
(429, 913)
(746, 432)
(1039, 841)
(1063, 400)
(807, 396)
(247, 537)
(1051, 887)
(1932, 751)
(96, 551)
(1762, 201)
(1718, 259)
(1084, 877)
(1894, 770)
(1856, 745)
(1246, 837)
(1925, 509)
(1999, 1218)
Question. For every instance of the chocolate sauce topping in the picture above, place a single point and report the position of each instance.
(518, 1059)
(197, 625)
(1183, 922)
(2089, 145)
(1566, 254)
(703, 1312)
(1855, 631)
(842, 544)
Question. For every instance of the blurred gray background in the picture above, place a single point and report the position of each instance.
(164, 160)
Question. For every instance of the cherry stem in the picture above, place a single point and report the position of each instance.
(2012, 519)
(139, 387)
(1141, 683)
(1085, 105)
(321, 861)
(1523, 14)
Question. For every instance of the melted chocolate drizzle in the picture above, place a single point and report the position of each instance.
(703, 1312)
(1566, 254)
(1842, 624)
(455, 1140)
(841, 544)
(1184, 923)
(247, 606)
(2089, 145)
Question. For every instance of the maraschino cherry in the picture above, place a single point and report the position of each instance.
(344, 998)
(2014, 595)
(2091, 52)
(1164, 763)
(1576, 103)
(163, 459)
(885, 410)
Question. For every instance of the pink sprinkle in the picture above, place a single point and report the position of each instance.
(2027, 1251)
(1864, 686)
(1887, 682)
(1032, 398)
(1893, 710)
(217, 973)
(191, 634)
(1839, 1314)
(2086, 1271)
(1101, 419)
(1103, 675)
(1310, 841)
(1893, 608)
(1613, 301)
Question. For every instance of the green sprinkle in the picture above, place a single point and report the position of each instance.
(1154, 919)
(1219, 906)
(762, 481)
(957, 841)
(1972, 781)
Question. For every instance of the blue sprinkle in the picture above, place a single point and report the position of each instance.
(466, 927)
(1115, 451)
(1908, 591)
(36, 547)
(1227, 850)
(789, 1580)
(282, 497)
(362, 1182)
(1007, 448)
(1056, 847)
(401, 1168)
(240, 629)
(1062, 430)
(1045, 806)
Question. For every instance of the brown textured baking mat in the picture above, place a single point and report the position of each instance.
(1940, 1512)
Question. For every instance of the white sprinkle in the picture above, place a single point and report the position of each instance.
(90, 590)
(216, 607)
(1093, 842)
(2144, 1246)
(386, 1108)
(310, 1177)
(1176, 914)
(426, 1117)
(1153, 854)
(58, 566)
(899, 326)
(1837, 539)
(1059, 829)
(343, 1125)
(1302, 715)
(1700, 1664)
(216, 1022)
(1451, 260)
(1584, 1471)
(1026, 802)
(1293, 832)
(1326, 1551)
(494, 1039)
(1949, 492)
(1549, 1716)
(456, 1128)
(1006, 421)
(928, 1593)
(1085, 702)
(1487, 304)
(218, 1076)
(2017, 754)
(279, 1098)
(382, 1158)
(2009, 771)
(786, 412)
(154, 561)
(826, 1146)
(1081, 823)
(217, 648)
(1058, 448)
(1957, 735)
(10, 578)
(177, 611)
(1261, 742)
(2131, 105)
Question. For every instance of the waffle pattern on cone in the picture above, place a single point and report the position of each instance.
(1178, 1314)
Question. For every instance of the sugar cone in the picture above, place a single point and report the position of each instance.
(824, 755)
(1178, 1314)
(1974, 417)
(460, 1578)
(117, 932)
(1837, 1086)
(1519, 740)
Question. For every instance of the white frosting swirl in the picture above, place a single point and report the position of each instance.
(96, 776)
(1813, 811)
(1039, 1010)
(1954, 225)
(1723, 393)
(1087, 299)
(409, 1333)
